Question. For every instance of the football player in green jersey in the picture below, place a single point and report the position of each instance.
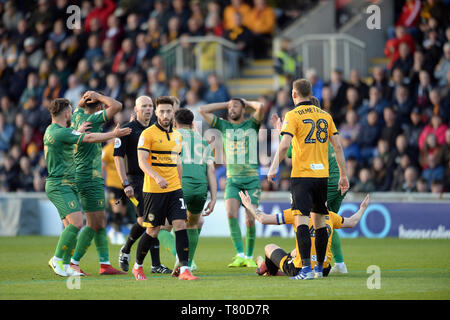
(198, 172)
(240, 141)
(60, 188)
(96, 109)
(334, 196)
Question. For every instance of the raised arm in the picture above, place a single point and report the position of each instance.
(114, 106)
(258, 215)
(207, 111)
(103, 137)
(258, 115)
(352, 221)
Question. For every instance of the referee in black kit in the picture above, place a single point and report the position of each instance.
(132, 177)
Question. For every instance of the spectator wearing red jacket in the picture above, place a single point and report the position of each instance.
(410, 14)
(103, 9)
(391, 50)
(435, 127)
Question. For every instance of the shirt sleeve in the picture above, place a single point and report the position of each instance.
(208, 152)
(98, 117)
(218, 123)
(145, 142)
(286, 217)
(336, 220)
(332, 130)
(70, 136)
(120, 146)
(289, 125)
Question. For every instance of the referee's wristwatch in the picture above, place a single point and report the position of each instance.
(125, 184)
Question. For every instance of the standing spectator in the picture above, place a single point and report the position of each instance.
(241, 36)
(262, 25)
(435, 127)
(410, 14)
(287, 64)
(103, 9)
(236, 6)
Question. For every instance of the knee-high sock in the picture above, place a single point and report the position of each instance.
(321, 243)
(101, 244)
(69, 253)
(250, 238)
(65, 241)
(135, 233)
(304, 244)
(193, 241)
(167, 240)
(336, 247)
(182, 243)
(154, 252)
(236, 235)
(143, 247)
(83, 243)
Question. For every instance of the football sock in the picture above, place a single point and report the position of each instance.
(167, 240)
(236, 235)
(83, 243)
(321, 243)
(336, 248)
(65, 241)
(304, 244)
(143, 247)
(154, 251)
(136, 231)
(69, 253)
(182, 244)
(193, 241)
(101, 244)
(250, 238)
(272, 268)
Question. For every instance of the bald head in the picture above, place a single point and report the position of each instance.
(144, 109)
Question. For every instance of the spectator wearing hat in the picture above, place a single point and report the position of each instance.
(34, 54)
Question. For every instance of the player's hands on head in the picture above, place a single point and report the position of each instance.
(85, 126)
(91, 95)
(343, 185)
(365, 203)
(120, 132)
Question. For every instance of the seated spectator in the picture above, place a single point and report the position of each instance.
(94, 49)
(126, 54)
(316, 83)
(11, 16)
(177, 88)
(338, 88)
(6, 73)
(34, 54)
(442, 68)
(433, 171)
(445, 159)
(382, 176)
(62, 71)
(401, 104)
(180, 11)
(282, 100)
(402, 148)
(241, 36)
(83, 71)
(160, 12)
(430, 147)
(409, 180)
(356, 82)
(352, 104)
(213, 20)
(216, 91)
(391, 128)
(143, 50)
(155, 87)
(8, 109)
(351, 127)
(132, 29)
(33, 89)
(288, 65)
(376, 103)
(102, 10)
(9, 170)
(113, 88)
(173, 31)
(154, 34)
(30, 136)
(59, 33)
(438, 106)
(25, 178)
(410, 14)
(36, 116)
(352, 170)
(391, 49)
(379, 80)
(54, 88)
(405, 58)
(422, 90)
(18, 81)
(236, 6)
(422, 185)
(74, 91)
(385, 153)
(368, 137)
(262, 25)
(19, 123)
(195, 28)
(365, 183)
(413, 129)
(398, 174)
(6, 134)
(114, 31)
(437, 186)
(398, 80)
(193, 103)
(327, 100)
(419, 64)
(432, 47)
(436, 127)
(351, 149)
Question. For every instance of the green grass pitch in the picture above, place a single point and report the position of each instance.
(410, 269)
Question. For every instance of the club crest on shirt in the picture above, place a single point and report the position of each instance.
(141, 142)
(117, 143)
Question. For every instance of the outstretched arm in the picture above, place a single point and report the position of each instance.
(207, 111)
(258, 215)
(352, 221)
(103, 137)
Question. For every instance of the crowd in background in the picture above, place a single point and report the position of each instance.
(394, 126)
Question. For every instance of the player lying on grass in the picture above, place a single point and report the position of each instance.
(290, 263)
(59, 141)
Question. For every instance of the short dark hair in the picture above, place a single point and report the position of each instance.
(315, 102)
(184, 116)
(302, 87)
(240, 100)
(58, 105)
(91, 104)
(164, 100)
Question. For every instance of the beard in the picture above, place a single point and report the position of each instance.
(235, 116)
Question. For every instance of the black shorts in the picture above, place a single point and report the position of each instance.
(137, 182)
(285, 262)
(115, 195)
(309, 195)
(161, 206)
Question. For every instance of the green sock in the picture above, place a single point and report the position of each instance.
(250, 238)
(193, 241)
(101, 244)
(336, 248)
(69, 253)
(167, 240)
(236, 236)
(65, 240)
(83, 243)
